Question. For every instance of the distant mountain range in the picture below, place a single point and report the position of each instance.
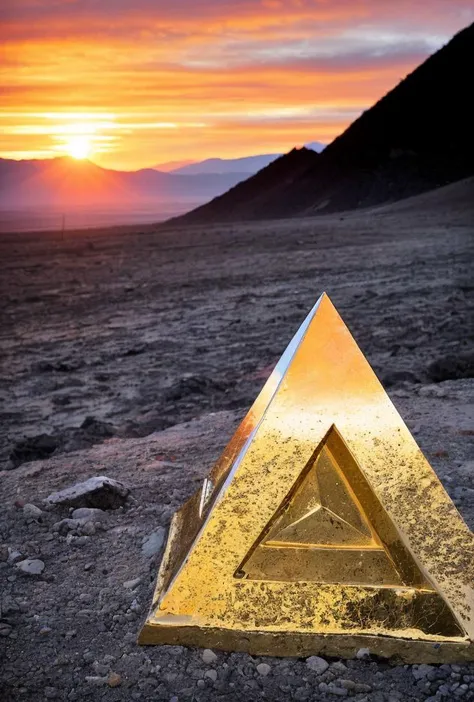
(248, 165)
(67, 183)
(392, 151)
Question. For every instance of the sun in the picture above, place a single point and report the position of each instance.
(79, 146)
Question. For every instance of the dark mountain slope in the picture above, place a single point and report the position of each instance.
(263, 192)
(391, 151)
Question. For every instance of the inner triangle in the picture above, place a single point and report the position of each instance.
(323, 511)
(321, 528)
(331, 528)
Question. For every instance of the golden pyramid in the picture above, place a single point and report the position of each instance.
(322, 528)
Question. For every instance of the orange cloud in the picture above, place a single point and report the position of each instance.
(153, 81)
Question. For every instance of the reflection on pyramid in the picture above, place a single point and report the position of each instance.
(331, 528)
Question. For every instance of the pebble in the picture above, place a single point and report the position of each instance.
(132, 584)
(96, 680)
(208, 656)
(5, 629)
(338, 667)
(114, 679)
(88, 529)
(317, 664)
(421, 671)
(363, 653)
(32, 566)
(32, 511)
(89, 514)
(263, 669)
(153, 543)
(212, 674)
(14, 555)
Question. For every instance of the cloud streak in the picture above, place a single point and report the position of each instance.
(155, 80)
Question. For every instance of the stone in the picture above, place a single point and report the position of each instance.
(153, 543)
(114, 679)
(208, 656)
(363, 653)
(317, 665)
(13, 555)
(88, 529)
(66, 525)
(4, 553)
(32, 511)
(132, 584)
(89, 514)
(338, 667)
(211, 674)
(98, 492)
(31, 566)
(347, 684)
(263, 669)
(96, 680)
(5, 629)
(421, 671)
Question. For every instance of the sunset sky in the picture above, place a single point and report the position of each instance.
(136, 83)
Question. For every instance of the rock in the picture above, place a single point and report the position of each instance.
(99, 492)
(362, 687)
(5, 629)
(153, 543)
(348, 684)
(32, 449)
(421, 671)
(363, 653)
(4, 553)
(88, 529)
(66, 525)
(89, 514)
(32, 566)
(317, 665)
(263, 669)
(132, 584)
(32, 511)
(50, 693)
(208, 656)
(114, 679)
(211, 674)
(97, 680)
(14, 555)
(338, 667)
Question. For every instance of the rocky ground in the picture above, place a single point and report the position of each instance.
(133, 355)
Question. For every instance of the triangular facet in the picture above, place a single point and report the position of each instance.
(322, 527)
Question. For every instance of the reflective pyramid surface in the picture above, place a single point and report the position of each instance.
(322, 528)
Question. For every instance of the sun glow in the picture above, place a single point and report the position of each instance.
(79, 147)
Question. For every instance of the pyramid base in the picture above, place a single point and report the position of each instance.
(285, 644)
(261, 643)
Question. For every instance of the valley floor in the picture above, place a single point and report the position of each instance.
(136, 351)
